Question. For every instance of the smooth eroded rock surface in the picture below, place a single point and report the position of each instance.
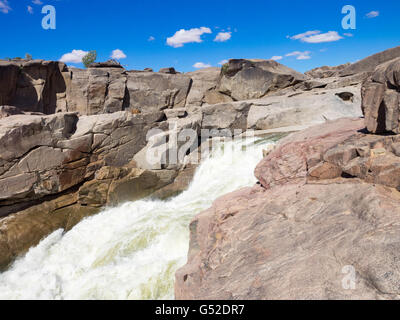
(295, 154)
(370, 63)
(73, 149)
(327, 206)
(251, 79)
(381, 98)
(295, 242)
(150, 91)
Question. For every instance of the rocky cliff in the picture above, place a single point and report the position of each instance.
(75, 140)
(49, 87)
(323, 222)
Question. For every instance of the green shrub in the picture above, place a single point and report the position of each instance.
(225, 68)
(89, 58)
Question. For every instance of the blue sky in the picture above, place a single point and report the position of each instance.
(245, 29)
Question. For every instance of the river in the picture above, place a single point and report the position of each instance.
(131, 251)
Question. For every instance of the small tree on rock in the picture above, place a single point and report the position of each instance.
(28, 57)
(89, 58)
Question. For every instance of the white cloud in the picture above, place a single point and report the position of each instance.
(317, 37)
(348, 35)
(223, 36)
(151, 38)
(372, 14)
(303, 57)
(201, 65)
(118, 54)
(38, 2)
(183, 36)
(74, 57)
(4, 6)
(300, 55)
(330, 36)
(304, 35)
(294, 53)
(276, 58)
(30, 9)
(221, 63)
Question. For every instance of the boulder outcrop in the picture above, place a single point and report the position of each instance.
(151, 92)
(299, 107)
(381, 98)
(318, 226)
(252, 79)
(203, 90)
(297, 153)
(370, 63)
(34, 86)
(73, 148)
(106, 64)
(95, 91)
(168, 70)
(326, 71)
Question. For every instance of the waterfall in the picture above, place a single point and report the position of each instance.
(131, 251)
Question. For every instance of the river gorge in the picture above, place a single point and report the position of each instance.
(307, 199)
(131, 251)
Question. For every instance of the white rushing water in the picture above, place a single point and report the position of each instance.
(134, 250)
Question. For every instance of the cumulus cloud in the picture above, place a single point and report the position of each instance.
(372, 14)
(38, 2)
(294, 53)
(183, 36)
(223, 36)
(151, 38)
(317, 37)
(118, 54)
(303, 57)
(276, 58)
(304, 35)
(30, 9)
(223, 62)
(330, 36)
(300, 55)
(75, 56)
(4, 6)
(201, 65)
(348, 35)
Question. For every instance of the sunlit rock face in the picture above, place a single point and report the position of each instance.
(250, 79)
(381, 98)
(322, 224)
